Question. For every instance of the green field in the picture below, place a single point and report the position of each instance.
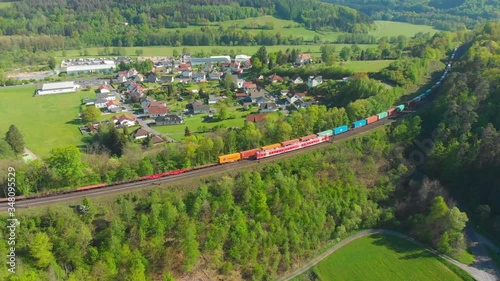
(196, 121)
(46, 122)
(392, 28)
(4, 5)
(384, 258)
(366, 66)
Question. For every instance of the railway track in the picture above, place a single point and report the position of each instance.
(219, 169)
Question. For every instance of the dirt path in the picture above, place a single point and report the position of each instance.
(476, 273)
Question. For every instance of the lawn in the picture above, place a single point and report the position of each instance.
(46, 122)
(392, 28)
(385, 258)
(196, 121)
(366, 66)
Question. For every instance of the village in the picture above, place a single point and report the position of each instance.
(176, 90)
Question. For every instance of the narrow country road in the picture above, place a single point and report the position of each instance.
(146, 127)
(483, 259)
(476, 273)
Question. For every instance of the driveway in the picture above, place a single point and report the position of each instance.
(146, 127)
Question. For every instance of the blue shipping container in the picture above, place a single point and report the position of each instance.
(359, 123)
(382, 115)
(340, 130)
(400, 107)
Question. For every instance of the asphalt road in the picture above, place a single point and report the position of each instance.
(475, 271)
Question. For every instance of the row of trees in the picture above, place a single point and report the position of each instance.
(12, 144)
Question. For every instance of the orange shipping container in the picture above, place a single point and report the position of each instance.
(271, 146)
(229, 158)
(305, 138)
(249, 153)
(371, 119)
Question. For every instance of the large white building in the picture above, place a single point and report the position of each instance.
(104, 66)
(57, 88)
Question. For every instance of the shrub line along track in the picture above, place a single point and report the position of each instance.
(478, 274)
(121, 188)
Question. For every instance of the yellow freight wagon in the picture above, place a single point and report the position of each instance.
(271, 146)
(229, 158)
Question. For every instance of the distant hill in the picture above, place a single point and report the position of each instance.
(442, 14)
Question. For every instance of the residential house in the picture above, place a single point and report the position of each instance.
(104, 89)
(268, 107)
(152, 78)
(303, 58)
(141, 134)
(123, 73)
(249, 87)
(261, 100)
(124, 120)
(256, 118)
(231, 67)
(197, 107)
(145, 102)
(155, 108)
(139, 78)
(170, 119)
(156, 140)
(292, 98)
(184, 66)
(199, 77)
(167, 79)
(212, 99)
(254, 95)
(187, 74)
(214, 75)
(113, 105)
(121, 78)
(296, 79)
(241, 95)
(132, 72)
(275, 78)
(314, 81)
(284, 92)
(247, 64)
(237, 82)
(209, 66)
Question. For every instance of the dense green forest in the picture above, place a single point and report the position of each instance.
(442, 14)
(73, 24)
(252, 226)
(462, 130)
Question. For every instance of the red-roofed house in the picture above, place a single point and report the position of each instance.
(112, 104)
(158, 111)
(256, 118)
(124, 120)
(275, 78)
(104, 89)
(303, 58)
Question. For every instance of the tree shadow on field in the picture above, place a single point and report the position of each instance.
(401, 246)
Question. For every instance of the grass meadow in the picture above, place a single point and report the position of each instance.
(366, 66)
(46, 122)
(384, 258)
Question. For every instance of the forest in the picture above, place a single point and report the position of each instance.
(146, 23)
(442, 14)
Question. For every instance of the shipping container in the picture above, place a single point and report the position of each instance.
(371, 119)
(271, 146)
(392, 111)
(305, 138)
(400, 107)
(229, 158)
(325, 133)
(382, 115)
(340, 130)
(285, 143)
(249, 153)
(359, 123)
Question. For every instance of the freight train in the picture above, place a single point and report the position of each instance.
(276, 148)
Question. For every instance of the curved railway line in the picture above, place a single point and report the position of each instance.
(127, 187)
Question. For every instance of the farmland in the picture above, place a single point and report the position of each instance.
(382, 257)
(392, 28)
(366, 66)
(46, 122)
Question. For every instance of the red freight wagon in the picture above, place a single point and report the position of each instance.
(91, 186)
(391, 111)
(307, 137)
(249, 153)
(371, 119)
(285, 143)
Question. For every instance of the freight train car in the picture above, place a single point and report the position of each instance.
(359, 123)
(371, 119)
(249, 154)
(271, 146)
(382, 115)
(325, 133)
(229, 158)
(340, 130)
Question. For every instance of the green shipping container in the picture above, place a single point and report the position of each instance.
(400, 107)
(382, 115)
(325, 133)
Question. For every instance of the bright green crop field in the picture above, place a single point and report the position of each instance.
(384, 258)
